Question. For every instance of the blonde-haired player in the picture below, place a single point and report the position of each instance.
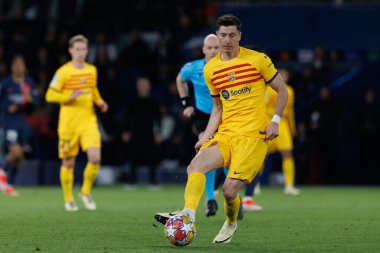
(287, 130)
(74, 87)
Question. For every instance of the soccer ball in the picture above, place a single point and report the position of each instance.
(180, 230)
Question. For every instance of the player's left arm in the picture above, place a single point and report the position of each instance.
(103, 106)
(99, 101)
(279, 86)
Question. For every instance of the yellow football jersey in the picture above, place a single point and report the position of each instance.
(79, 114)
(241, 84)
(288, 114)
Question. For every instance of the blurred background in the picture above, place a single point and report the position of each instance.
(330, 48)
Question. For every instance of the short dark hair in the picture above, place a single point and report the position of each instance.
(228, 20)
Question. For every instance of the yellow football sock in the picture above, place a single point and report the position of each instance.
(194, 190)
(231, 209)
(288, 170)
(89, 176)
(67, 180)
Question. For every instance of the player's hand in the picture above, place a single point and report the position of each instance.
(75, 94)
(103, 106)
(188, 111)
(199, 144)
(271, 131)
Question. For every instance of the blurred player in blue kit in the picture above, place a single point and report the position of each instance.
(17, 99)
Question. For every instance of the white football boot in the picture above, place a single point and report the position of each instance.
(291, 190)
(225, 233)
(88, 202)
(71, 206)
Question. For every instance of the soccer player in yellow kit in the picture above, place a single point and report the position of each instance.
(74, 87)
(287, 130)
(238, 129)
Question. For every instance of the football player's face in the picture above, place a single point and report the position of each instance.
(229, 37)
(211, 48)
(78, 51)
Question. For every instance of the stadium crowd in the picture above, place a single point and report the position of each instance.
(336, 137)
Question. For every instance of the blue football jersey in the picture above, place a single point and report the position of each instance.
(193, 72)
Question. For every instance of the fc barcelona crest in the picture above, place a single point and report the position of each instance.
(231, 76)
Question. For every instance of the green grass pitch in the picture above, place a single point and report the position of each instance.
(322, 219)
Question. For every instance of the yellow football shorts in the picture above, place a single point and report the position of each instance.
(283, 142)
(244, 156)
(69, 143)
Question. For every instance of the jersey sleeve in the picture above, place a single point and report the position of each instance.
(185, 72)
(207, 77)
(54, 96)
(96, 96)
(95, 91)
(266, 68)
(57, 81)
(95, 76)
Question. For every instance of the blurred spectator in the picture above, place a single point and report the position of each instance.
(369, 115)
(302, 149)
(347, 162)
(320, 61)
(141, 119)
(3, 63)
(136, 55)
(167, 147)
(167, 55)
(309, 84)
(101, 43)
(323, 133)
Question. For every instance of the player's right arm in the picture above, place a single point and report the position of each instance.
(54, 93)
(183, 90)
(54, 96)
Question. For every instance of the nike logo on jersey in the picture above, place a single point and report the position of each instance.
(236, 173)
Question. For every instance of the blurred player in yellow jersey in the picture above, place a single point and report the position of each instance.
(287, 130)
(74, 87)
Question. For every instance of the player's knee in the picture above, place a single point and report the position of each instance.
(229, 192)
(191, 169)
(68, 163)
(287, 154)
(94, 159)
